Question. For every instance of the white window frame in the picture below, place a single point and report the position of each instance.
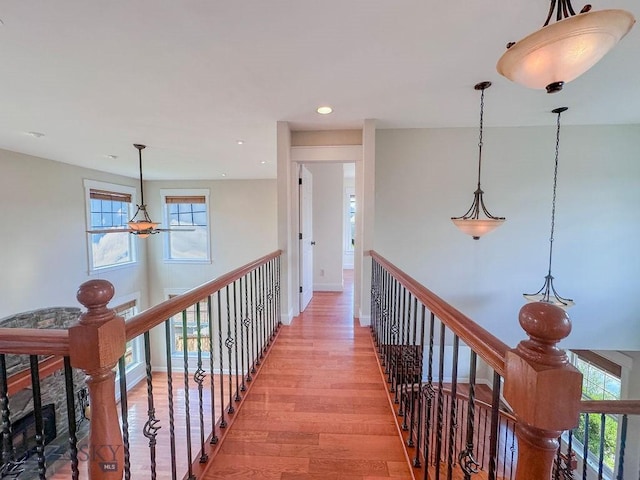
(135, 371)
(178, 354)
(111, 187)
(186, 192)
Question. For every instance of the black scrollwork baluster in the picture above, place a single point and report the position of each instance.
(187, 404)
(37, 410)
(243, 288)
(623, 446)
(246, 322)
(453, 414)
(71, 417)
(124, 411)
(169, 338)
(229, 342)
(199, 377)
(495, 420)
(236, 397)
(468, 461)
(420, 397)
(440, 420)
(9, 465)
(214, 437)
(152, 425)
(223, 422)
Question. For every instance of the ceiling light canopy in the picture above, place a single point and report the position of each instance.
(560, 52)
(324, 110)
(471, 223)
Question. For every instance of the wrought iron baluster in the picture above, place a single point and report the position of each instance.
(453, 414)
(440, 421)
(585, 451)
(504, 455)
(495, 419)
(242, 286)
(418, 416)
(429, 392)
(229, 342)
(37, 411)
(278, 304)
(623, 446)
(603, 420)
(468, 461)
(124, 413)
(394, 331)
(246, 322)
(8, 458)
(261, 308)
(236, 397)
(151, 427)
(199, 377)
(270, 303)
(413, 366)
(214, 437)
(71, 417)
(169, 338)
(512, 448)
(187, 404)
(223, 422)
(254, 316)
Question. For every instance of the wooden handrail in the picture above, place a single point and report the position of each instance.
(34, 341)
(150, 318)
(611, 407)
(488, 347)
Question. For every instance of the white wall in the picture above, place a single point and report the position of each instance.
(424, 177)
(43, 249)
(243, 225)
(328, 196)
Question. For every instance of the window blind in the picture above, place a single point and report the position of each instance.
(185, 199)
(112, 196)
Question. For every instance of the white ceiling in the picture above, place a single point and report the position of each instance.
(190, 78)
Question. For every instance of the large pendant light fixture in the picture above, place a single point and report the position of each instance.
(548, 292)
(561, 52)
(471, 223)
(141, 224)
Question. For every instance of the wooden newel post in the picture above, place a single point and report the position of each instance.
(96, 344)
(543, 389)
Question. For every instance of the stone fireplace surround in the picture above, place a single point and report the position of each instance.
(52, 386)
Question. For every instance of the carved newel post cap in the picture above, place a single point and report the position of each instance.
(546, 324)
(95, 295)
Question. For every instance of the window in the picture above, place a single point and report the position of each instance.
(109, 207)
(601, 381)
(133, 350)
(186, 326)
(187, 209)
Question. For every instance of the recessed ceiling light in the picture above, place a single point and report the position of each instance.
(223, 175)
(35, 134)
(263, 162)
(240, 142)
(111, 157)
(326, 110)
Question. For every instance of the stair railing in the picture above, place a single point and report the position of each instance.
(241, 313)
(423, 340)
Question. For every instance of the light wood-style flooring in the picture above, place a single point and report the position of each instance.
(319, 407)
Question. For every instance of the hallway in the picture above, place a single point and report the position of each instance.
(318, 409)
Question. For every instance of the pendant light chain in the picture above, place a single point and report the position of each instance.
(480, 139)
(555, 182)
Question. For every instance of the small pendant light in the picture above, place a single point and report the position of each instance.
(548, 292)
(471, 223)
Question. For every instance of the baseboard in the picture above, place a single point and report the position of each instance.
(286, 318)
(365, 320)
(328, 287)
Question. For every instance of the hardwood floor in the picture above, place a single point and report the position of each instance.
(318, 409)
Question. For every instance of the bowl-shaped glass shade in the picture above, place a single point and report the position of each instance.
(562, 51)
(477, 227)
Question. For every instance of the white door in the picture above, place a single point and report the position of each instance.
(306, 237)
